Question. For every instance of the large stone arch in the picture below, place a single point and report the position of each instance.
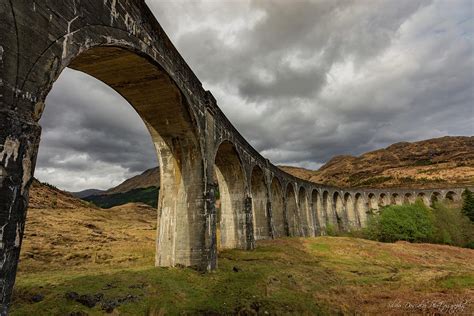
(338, 208)
(125, 48)
(352, 218)
(361, 209)
(259, 204)
(231, 217)
(305, 214)
(320, 219)
(278, 215)
(292, 211)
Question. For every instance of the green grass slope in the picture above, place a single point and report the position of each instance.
(148, 196)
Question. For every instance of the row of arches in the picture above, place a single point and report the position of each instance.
(276, 209)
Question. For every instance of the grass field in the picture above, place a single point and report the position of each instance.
(323, 275)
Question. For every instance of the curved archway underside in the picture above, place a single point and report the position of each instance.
(126, 48)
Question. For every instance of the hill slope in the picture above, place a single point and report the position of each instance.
(446, 161)
(149, 178)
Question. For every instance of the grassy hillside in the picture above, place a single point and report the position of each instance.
(446, 161)
(75, 255)
(148, 196)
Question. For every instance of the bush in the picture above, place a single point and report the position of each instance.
(413, 222)
(468, 204)
(444, 224)
(331, 230)
(452, 227)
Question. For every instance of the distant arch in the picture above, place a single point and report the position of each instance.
(396, 199)
(231, 232)
(373, 203)
(408, 198)
(361, 209)
(352, 218)
(450, 196)
(259, 204)
(292, 211)
(338, 207)
(383, 200)
(435, 198)
(277, 208)
(423, 198)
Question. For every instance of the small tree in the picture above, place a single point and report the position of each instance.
(468, 204)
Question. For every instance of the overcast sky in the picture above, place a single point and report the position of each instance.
(301, 80)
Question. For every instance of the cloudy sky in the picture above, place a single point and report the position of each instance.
(301, 80)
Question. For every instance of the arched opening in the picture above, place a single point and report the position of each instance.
(277, 208)
(90, 140)
(450, 197)
(423, 198)
(338, 207)
(361, 209)
(373, 204)
(396, 199)
(352, 218)
(320, 220)
(165, 111)
(259, 204)
(305, 215)
(435, 198)
(383, 200)
(231, 231)
(408, 198)
(292, 211)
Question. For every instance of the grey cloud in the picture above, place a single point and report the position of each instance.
(302, 80)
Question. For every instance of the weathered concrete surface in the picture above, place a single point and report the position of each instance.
(120, 43)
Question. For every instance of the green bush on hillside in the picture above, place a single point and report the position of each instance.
(413, 222)
(452, 227)
(442, 224)
(468, 204)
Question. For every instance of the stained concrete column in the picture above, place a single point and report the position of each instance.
(270, 219)
(18, 150)
(250, 238)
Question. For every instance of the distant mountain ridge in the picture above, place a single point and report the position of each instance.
(437, 162)
(148, 178)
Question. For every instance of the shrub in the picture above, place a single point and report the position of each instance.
(468, 204)
(413, 222)
(452, 227)
(331, 230)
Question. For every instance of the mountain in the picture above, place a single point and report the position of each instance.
(438, 162)
(147, 196)
(89, 192)
(149, 178)
(142, 188)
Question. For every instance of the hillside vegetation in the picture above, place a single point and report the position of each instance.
(438, 162)
(88, 261)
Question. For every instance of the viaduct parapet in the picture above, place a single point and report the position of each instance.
(121, 43)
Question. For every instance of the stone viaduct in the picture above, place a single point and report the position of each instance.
(121, 43)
